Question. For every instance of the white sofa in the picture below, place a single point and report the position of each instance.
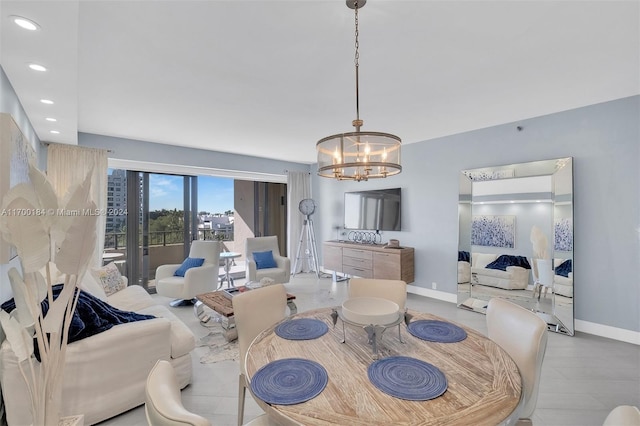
(515, 277)
(105, 374)
(562, 285)
(464, 272)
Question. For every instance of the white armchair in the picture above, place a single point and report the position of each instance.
(280, 274)
(196, 280)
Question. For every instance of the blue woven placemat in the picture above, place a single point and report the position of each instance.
(302, 329)
(437, 331)
(289, 381)
(407, 378)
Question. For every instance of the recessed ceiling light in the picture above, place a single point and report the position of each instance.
(25, 23)
(46, 101)
(51, 119)
(37, 67)
(55, 132)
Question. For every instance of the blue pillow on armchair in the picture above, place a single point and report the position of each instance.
(264, 259)
(189, 262)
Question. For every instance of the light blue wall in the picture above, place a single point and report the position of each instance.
(135, 150)
(9, 103)
(604, 141)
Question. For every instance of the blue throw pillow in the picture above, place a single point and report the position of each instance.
(189, 262)
(264, 259)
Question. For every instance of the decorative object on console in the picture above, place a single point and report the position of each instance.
(358, 155)
(41, 237)
(493, 231)
(364, 237)
(392, 243)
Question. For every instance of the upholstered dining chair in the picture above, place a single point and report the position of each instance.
(523, 335)
(255, 311)
(258, 260)
(394, 290)
(623, 415)
(184, 287)
(542, 280)
(163, 404)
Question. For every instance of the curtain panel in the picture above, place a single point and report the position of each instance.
(68, 165)
(298, 189)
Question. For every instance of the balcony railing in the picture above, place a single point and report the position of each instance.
(118, 240)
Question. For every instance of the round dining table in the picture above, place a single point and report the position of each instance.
(483, 382)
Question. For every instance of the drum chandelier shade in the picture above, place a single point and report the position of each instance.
(358, 155)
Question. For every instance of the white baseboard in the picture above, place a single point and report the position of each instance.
(620, 334)
(609, 332)
(434, 294)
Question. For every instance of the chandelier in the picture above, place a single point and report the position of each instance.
(358, 155)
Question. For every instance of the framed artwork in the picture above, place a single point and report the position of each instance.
(493, 231)
(15, 154)
(563, 234)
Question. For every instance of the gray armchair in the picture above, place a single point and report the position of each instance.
(280, 274)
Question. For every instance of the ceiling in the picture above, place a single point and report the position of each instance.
(271, 78)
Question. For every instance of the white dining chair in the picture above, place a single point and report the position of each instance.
(163, 405)
(523, 335)
(623, 415)
(255, 311)
(394, 290)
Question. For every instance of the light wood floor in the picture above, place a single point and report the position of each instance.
(583, 377)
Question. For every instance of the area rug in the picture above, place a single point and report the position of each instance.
(219, 348)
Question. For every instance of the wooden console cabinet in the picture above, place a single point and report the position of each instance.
(369, 261)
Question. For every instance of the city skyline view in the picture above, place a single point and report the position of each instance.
(215, 194)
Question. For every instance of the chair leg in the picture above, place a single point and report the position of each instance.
(242, 390)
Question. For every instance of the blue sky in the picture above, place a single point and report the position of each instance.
(215, 194)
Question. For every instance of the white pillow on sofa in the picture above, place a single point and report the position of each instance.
(90, 285)
(109, 277)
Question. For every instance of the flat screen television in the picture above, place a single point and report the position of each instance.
(373, 210)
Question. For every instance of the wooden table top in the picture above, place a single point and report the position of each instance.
(222, 304)
(484, 384)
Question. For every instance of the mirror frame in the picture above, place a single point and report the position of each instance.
(558, 311)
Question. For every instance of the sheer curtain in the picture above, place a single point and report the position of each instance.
(68, 165)
(298, 188)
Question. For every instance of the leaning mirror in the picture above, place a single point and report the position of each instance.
(515, 239)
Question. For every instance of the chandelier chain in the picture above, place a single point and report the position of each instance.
(357, 64)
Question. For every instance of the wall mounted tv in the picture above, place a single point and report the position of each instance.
(374, 210)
